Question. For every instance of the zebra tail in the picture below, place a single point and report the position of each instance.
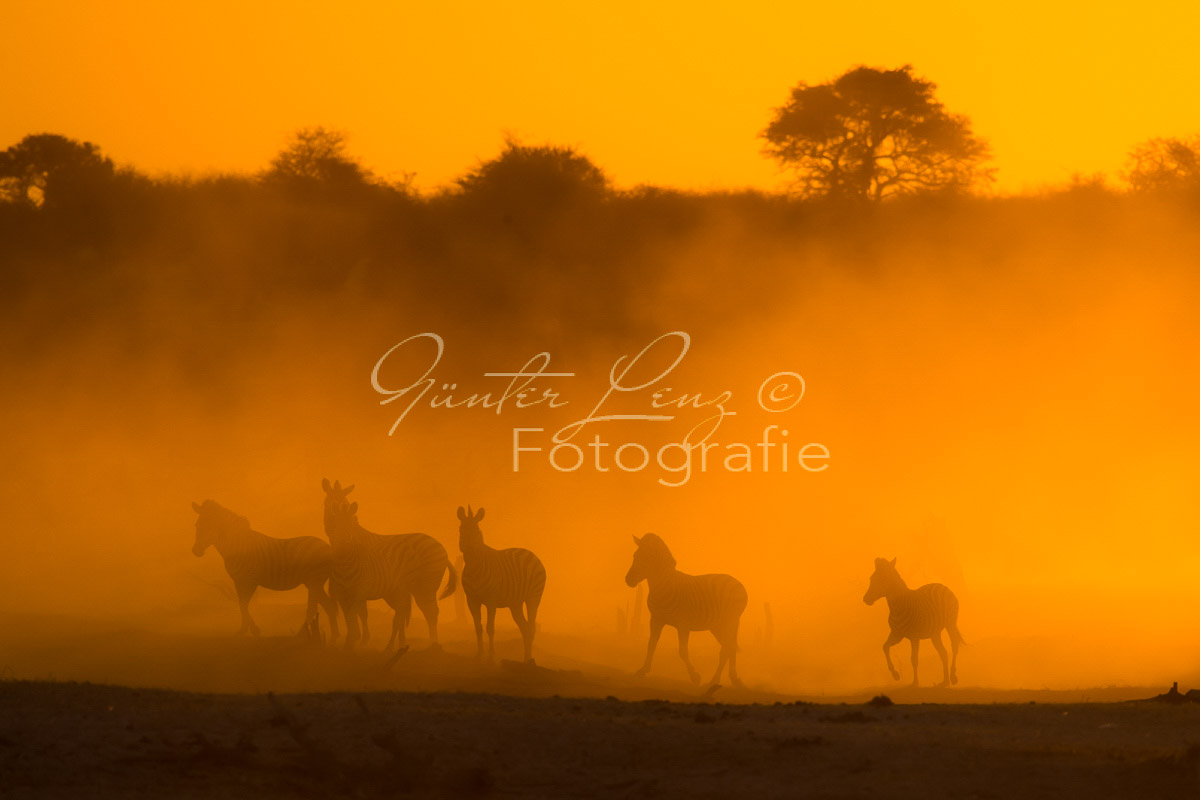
(955, 634)
(451, 582)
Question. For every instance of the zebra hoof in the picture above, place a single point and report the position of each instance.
(694, 676)
(895, 675)
(954, 680)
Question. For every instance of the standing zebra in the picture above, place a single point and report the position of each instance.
(253, 559)
(688, 603)
(368, 566)
(916, 614)
(509, 578)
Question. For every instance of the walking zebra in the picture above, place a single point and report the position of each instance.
(253, 559)
(369, 566)
(513, 578)
(916, 614)
(687, 603)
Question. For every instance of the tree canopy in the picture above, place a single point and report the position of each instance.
(316, 159)
(1165, 164)
(544, 176)
(47, 169)
(872, 134)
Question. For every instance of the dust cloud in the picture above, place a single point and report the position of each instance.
(1005, 386)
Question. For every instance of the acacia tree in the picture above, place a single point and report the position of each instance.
(872, 134)
(46, 169)
(1168, 164)
(316, 159)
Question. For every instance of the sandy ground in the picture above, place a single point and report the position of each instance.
(281, 717)
(84, 740)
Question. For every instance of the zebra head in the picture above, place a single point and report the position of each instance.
(651, 558)
(213, 524)
(335, 498)
(469, 535)
(884, 580)
(339, 518)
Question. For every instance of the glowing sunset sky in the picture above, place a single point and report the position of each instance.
(675, 95)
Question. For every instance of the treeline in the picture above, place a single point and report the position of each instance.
(536, 230)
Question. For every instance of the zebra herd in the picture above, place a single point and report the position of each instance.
(359, 566)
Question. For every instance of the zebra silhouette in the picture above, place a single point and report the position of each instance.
(513, 578)
(253, 559)
(369, 566)
(916, 614)
(687, 603)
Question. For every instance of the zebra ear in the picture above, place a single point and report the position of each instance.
(462, 514)
(337, 485)
(325, 485)
(893, 562)
(479, 515)
(349, 489)
(637, 541)
(196, 507)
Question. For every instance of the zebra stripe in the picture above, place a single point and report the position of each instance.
(395, 568)
(513, 578)
(916, 614)
(687, 603)
(253, 559)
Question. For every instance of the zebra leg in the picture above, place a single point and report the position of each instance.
(655, 631)
(244, 592)
(352, 614)
(331, 610)
(428, 603)
(941, 651)
(403, 608)
(728, 642)
(473, 605)
(891, 642)
(312, 615)
(518, 615)
(955, 641)
(491, 629)
(366, 629)
(532, 605)
(683, 654)
(916, 651)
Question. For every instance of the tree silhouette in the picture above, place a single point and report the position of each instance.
(315, 160)
(873, 134)
(1164, 165)
(52, 171)
(535, 178)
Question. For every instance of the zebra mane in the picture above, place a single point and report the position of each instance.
(653, 544)
(223, 515)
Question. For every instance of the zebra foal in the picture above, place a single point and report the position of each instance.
(253, 559)
(916, 614)
(513, 578)
(687, 603)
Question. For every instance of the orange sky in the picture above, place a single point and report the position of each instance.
(674, 94)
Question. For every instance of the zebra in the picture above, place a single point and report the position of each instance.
(369, 566)
(687, 603)
(253, 559)
(513, 578)
(916, 614)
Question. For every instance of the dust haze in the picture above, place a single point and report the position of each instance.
(1006, 387)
